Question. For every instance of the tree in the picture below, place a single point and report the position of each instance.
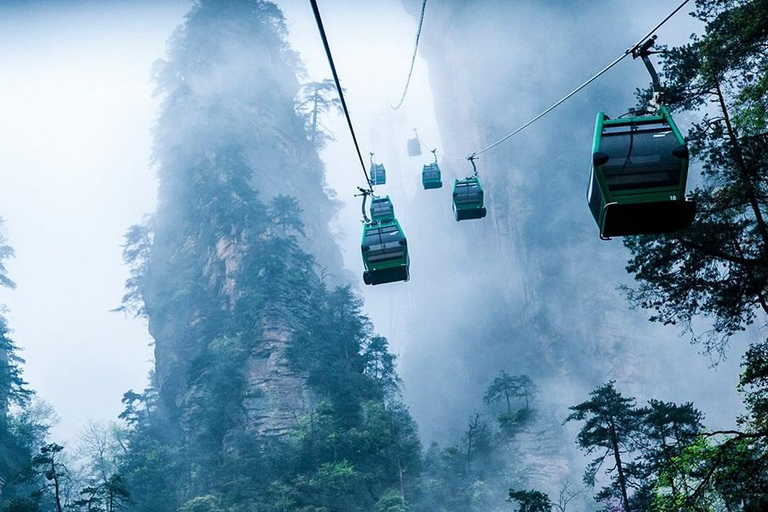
(380, 364)
(21, 505)
(286, 213)
(12, 385)
(207, 503)
(611, 426)
(6, 251)
(506, 386)
(391, 502)
(667, 430)
(531, 501)
(99, 449)
(476, 441)
(136, 252)
(316, 99)
(21, 430)
(718, 268)
(566, 495)
(56, 475)
(13, 388)
(107, 496)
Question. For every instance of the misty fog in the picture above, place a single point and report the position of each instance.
(530, 290)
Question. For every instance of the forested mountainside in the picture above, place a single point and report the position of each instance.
(22, 429)
(536, 287)
(11, 385)
(271, 391)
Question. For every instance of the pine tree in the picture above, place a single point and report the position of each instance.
(667, 430)
(611, 427)
(316, 99)
(531, 501)
(718, 268)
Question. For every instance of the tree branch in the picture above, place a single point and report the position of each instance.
(717, 253)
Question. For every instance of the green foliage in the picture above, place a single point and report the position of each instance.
(21, 432)
(611, 423)
(465, 476)
(107, 496)
(718, 268)
(21, 505)
(754, 385)
(391, 501)
(228, 286)
(208, 503)
(380, 364)
(531, 501)
(317, 99)
(330, 351)
(662, 460)
(472, 474)
(507, 386)
(136, 251)
(286, 213)
(13, 388)
(6, 251)
(12, 385)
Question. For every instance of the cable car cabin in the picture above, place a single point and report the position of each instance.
(638, 176)
(414, 147)
(431, 176)
(382, 210)
(378, 174)
(468, 199)
(385, 253)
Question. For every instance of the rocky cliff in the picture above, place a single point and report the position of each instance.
(537, 290)
(234, 163)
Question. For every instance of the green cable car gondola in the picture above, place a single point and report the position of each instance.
(638, 177)
(385, 253)
(414, 145)
(640, 168)
(378, 173)
(430, 175)
(382, 210)
(468, 197)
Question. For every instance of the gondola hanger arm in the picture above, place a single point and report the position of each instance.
(364, 194)
(472, 159)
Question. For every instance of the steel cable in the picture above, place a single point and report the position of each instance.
(594, 77)
(413, 58)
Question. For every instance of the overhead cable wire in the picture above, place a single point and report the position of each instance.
(323, 36)
(413, 58)
(594, 77)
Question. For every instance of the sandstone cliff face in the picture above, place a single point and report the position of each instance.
(540, 290)
(276, 396)
(227, 142)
